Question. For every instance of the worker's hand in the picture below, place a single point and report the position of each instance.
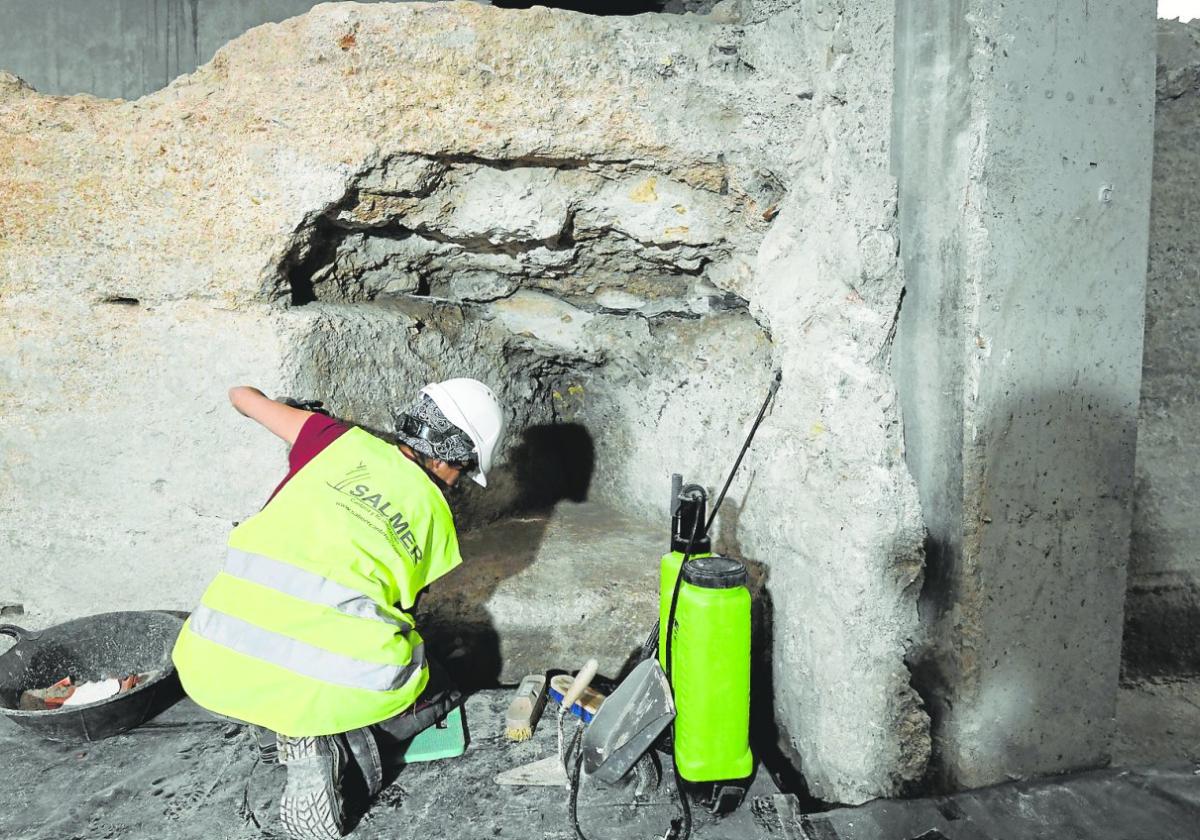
(315, 406)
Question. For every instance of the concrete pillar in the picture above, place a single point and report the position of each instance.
(1022, 146)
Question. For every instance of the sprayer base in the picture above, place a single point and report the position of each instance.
(718, 798)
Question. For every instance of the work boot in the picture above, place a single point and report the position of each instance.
(311, 808)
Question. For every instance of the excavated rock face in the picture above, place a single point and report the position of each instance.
(624, 225)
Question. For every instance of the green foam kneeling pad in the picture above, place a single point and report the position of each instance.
(443, 740)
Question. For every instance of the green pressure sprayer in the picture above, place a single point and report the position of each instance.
(704, 604)
(710, 677)
(694, 678)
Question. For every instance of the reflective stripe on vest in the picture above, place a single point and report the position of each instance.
(307, 586)
(300, 657)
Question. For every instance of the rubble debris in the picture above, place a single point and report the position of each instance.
(65, 693)
(52, 697)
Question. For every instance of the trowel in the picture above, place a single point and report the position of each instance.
(545, 772)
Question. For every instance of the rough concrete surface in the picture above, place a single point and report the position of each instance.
(1158, 722)
(621, 223)
(547, 590)
(185, 775)
(1162, 611)
(1024, 193)
(1154, 795)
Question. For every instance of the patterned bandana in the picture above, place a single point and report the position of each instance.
(423, 427)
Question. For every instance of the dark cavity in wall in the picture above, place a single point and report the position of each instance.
(554, 462)
(298, 270)
(471, 231)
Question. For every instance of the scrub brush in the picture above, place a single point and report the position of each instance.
(525, 708)
(587, 701)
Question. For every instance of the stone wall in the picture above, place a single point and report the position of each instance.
(1162, 623)
(124, 48)
(829, 505)
(128, 48)
(623, 224)
(626, 226)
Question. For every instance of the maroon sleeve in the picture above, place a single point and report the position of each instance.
(317, 432)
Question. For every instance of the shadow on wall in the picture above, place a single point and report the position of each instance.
(1014, 640)
(929, 664)
(552, 463)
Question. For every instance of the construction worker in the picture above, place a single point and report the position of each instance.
(307, 632)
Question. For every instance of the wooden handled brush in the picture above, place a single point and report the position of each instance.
(525, 708)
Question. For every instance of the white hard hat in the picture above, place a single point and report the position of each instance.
(471, 406)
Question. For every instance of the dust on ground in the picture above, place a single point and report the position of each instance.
(187, 775)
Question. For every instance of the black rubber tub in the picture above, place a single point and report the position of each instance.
(92, 648)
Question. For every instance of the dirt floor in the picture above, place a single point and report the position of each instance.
(1152, 792)
(185, 775)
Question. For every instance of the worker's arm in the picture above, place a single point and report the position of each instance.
(283, 420)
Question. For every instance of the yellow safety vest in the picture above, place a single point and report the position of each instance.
(304, 631)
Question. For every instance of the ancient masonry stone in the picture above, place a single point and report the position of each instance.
(623, 224)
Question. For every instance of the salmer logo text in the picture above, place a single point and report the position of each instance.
(355, 486)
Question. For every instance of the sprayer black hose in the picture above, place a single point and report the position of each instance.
(650, 646)
(649, 649)
(675, 600)
(686, 830)
(652, 641)
(762, 412)
(574, 772)
(573, 776)
(573, 802)
(683, 803)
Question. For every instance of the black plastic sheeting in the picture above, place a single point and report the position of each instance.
(1157, 803)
